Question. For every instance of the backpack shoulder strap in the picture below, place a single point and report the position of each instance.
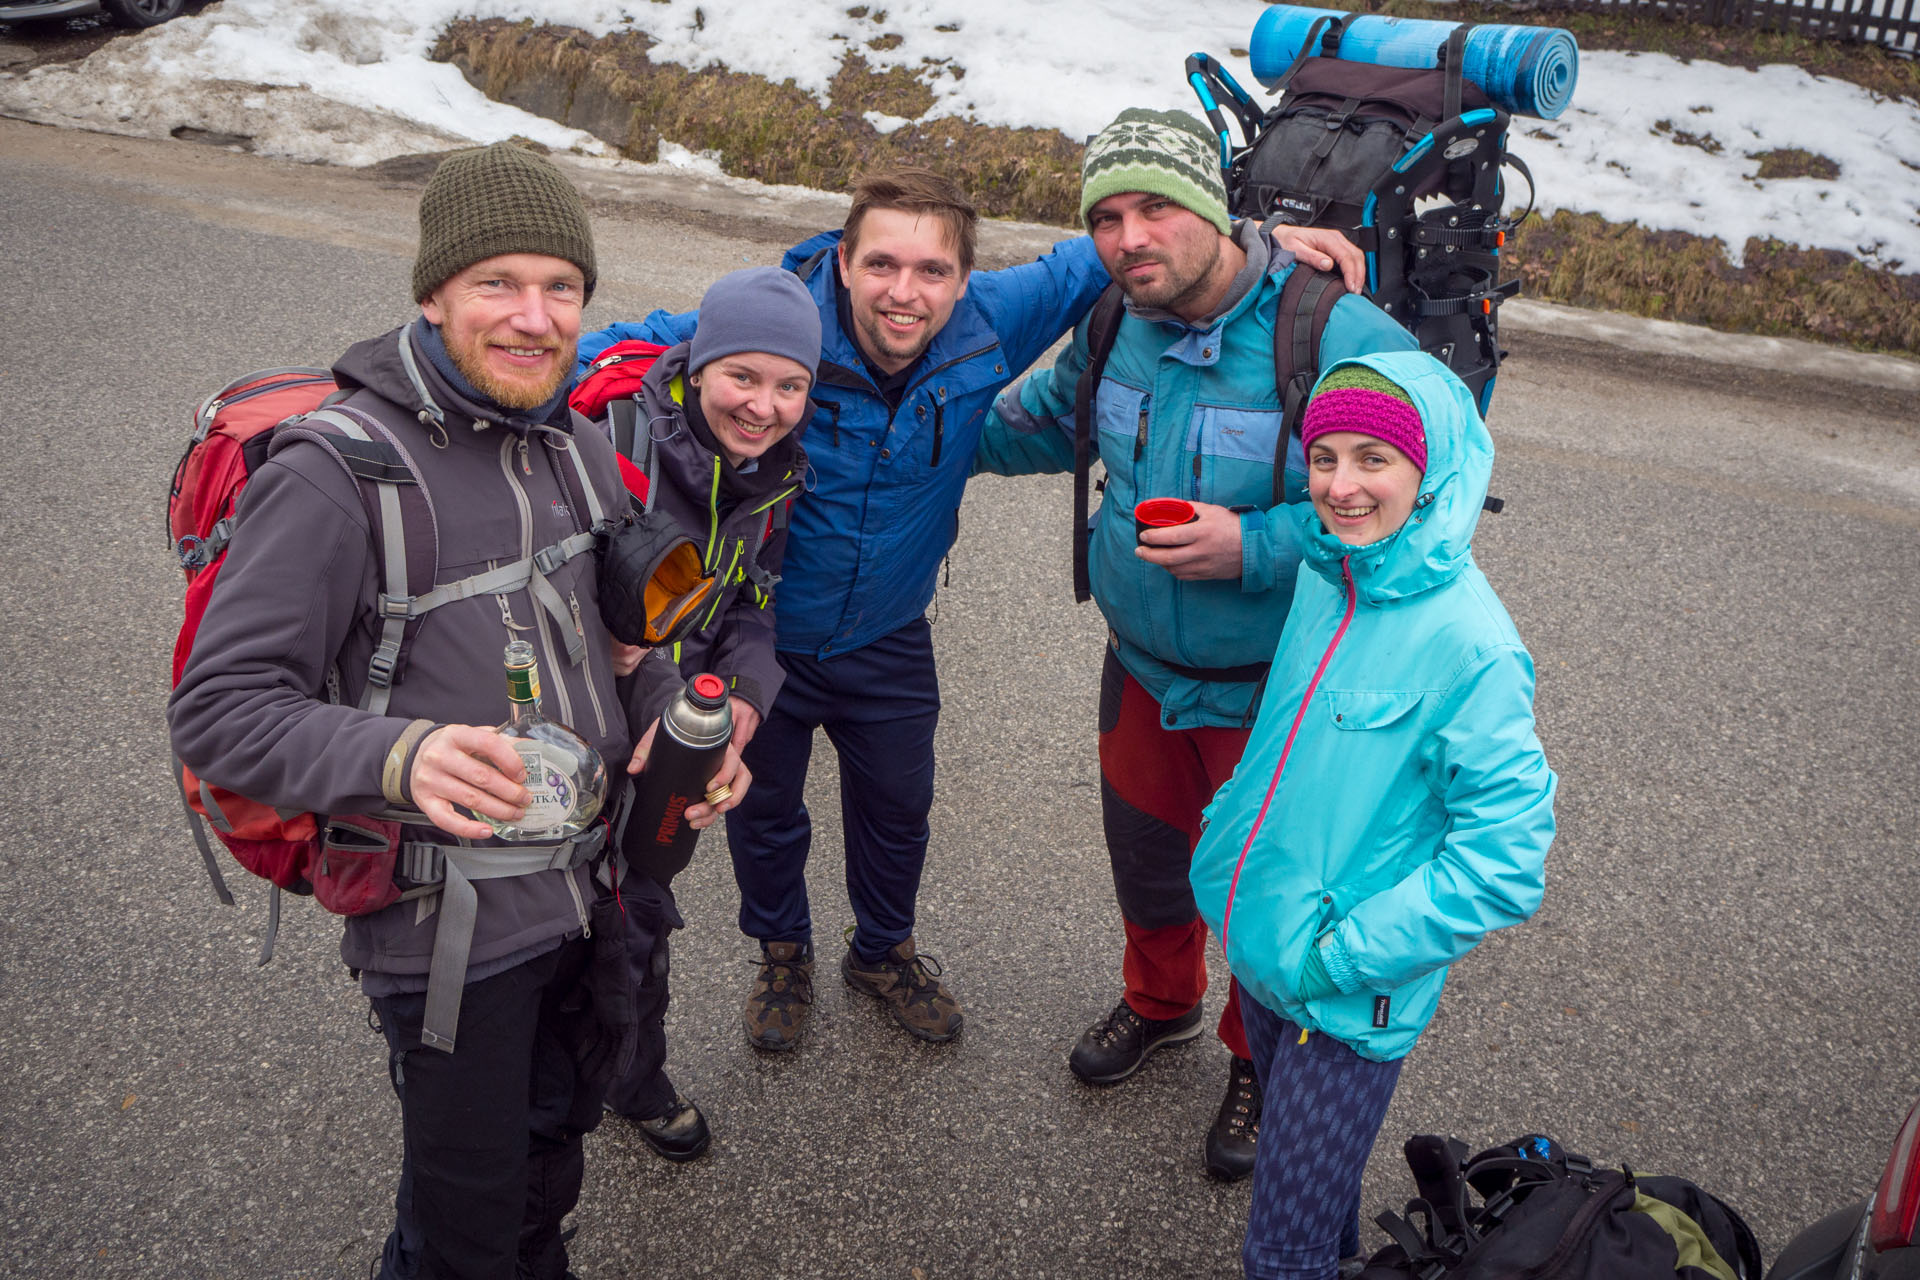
(405, 534)
(1103, 327)
(633, 440)
(1299, 323)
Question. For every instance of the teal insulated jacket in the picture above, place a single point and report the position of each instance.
(1393, 805)
(1190, 413)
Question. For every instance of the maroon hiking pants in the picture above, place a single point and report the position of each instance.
(1154, 782)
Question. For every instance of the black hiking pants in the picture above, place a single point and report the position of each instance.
(492, 1158)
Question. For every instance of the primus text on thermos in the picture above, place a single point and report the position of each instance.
(687, 751)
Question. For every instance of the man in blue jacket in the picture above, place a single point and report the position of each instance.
(1187, 408)
(915, 347)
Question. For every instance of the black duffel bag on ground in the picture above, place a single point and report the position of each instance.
(1533, 1211)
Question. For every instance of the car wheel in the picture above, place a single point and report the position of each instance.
(141, 13)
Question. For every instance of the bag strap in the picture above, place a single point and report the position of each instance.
(1306, 304)
(455, 868)
(199, 829)
(397, 501)
(1103, 327)
(1453, 57)
(633, 440)
(1332, 28)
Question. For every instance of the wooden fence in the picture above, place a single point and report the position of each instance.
(1893, 23)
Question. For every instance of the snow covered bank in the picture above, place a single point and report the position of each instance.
(1649, 140)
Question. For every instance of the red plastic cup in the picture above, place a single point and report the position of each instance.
(1162, 513)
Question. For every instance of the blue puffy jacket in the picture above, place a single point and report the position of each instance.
(883, 504)
(1186, 413)
(1393, 798)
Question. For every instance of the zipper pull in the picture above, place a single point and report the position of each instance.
(526, 466)
(579, 627)
(1140, 435)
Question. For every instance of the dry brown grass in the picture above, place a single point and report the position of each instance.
(779, 134)
(1582, 259)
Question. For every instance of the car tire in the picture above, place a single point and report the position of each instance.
(141, 13)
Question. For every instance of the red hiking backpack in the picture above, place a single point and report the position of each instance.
(345, 862)
(615, 375)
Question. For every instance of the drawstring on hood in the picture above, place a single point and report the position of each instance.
(429, 342)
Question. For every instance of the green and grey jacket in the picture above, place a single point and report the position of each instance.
(737, 517)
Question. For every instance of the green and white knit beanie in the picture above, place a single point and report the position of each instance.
(1163, 153)
(487, 201)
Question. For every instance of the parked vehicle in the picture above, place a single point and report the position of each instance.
(1876, 1240)
(124, 13)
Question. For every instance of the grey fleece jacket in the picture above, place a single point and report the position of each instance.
(296, 597)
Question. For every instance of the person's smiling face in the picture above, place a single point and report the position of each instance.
(751, 399)
(903, 276)
(1363, 489)
(511, 323)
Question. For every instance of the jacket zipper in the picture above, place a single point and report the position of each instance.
(593, 692)
(1233, 886)
(547, 658)
(1140, 432)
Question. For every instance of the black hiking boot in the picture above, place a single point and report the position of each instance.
(1236, 1130)
(1114, 1048)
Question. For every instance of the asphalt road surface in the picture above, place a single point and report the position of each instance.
(1713, 561)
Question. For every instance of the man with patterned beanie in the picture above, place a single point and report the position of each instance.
(503, 995)
(1187, 407)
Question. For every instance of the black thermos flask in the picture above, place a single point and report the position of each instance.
(687, 751)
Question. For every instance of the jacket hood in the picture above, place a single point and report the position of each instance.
(663, 391)
(1436, 542)
(394, 367)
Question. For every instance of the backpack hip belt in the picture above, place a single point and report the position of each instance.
(452, 869)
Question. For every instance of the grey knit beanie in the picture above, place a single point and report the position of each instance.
(757, 309)
(494, 200)
(1164, 153)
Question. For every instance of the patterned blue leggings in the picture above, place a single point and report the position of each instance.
(1322, 1107)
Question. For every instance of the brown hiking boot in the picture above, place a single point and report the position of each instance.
(782, 996)
(909, 984)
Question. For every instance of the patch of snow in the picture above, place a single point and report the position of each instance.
(351, 82)
(884, 124)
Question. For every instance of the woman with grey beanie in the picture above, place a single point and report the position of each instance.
(709, 440)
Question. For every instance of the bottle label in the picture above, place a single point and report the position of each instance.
(550, 773)
(523, 684)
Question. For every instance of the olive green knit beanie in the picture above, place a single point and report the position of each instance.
(1164, 153)
(494, 200)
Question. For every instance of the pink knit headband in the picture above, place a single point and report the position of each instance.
(1370, 413)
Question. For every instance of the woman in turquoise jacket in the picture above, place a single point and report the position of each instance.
(1393, 806)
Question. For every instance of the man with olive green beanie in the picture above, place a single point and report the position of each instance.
(499, 1065)
(1187, 407)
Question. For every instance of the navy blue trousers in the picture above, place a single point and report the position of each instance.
(879, 706)
(1322, 1106)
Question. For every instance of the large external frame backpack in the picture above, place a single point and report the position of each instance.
(1533, 1209)
(354, 864)
(1407, 163)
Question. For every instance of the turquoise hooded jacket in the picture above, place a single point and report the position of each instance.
(1186, 412)
(1393, 806)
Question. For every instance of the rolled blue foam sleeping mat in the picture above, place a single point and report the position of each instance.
(1530, 71)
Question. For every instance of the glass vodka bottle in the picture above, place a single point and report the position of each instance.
(566, 776)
